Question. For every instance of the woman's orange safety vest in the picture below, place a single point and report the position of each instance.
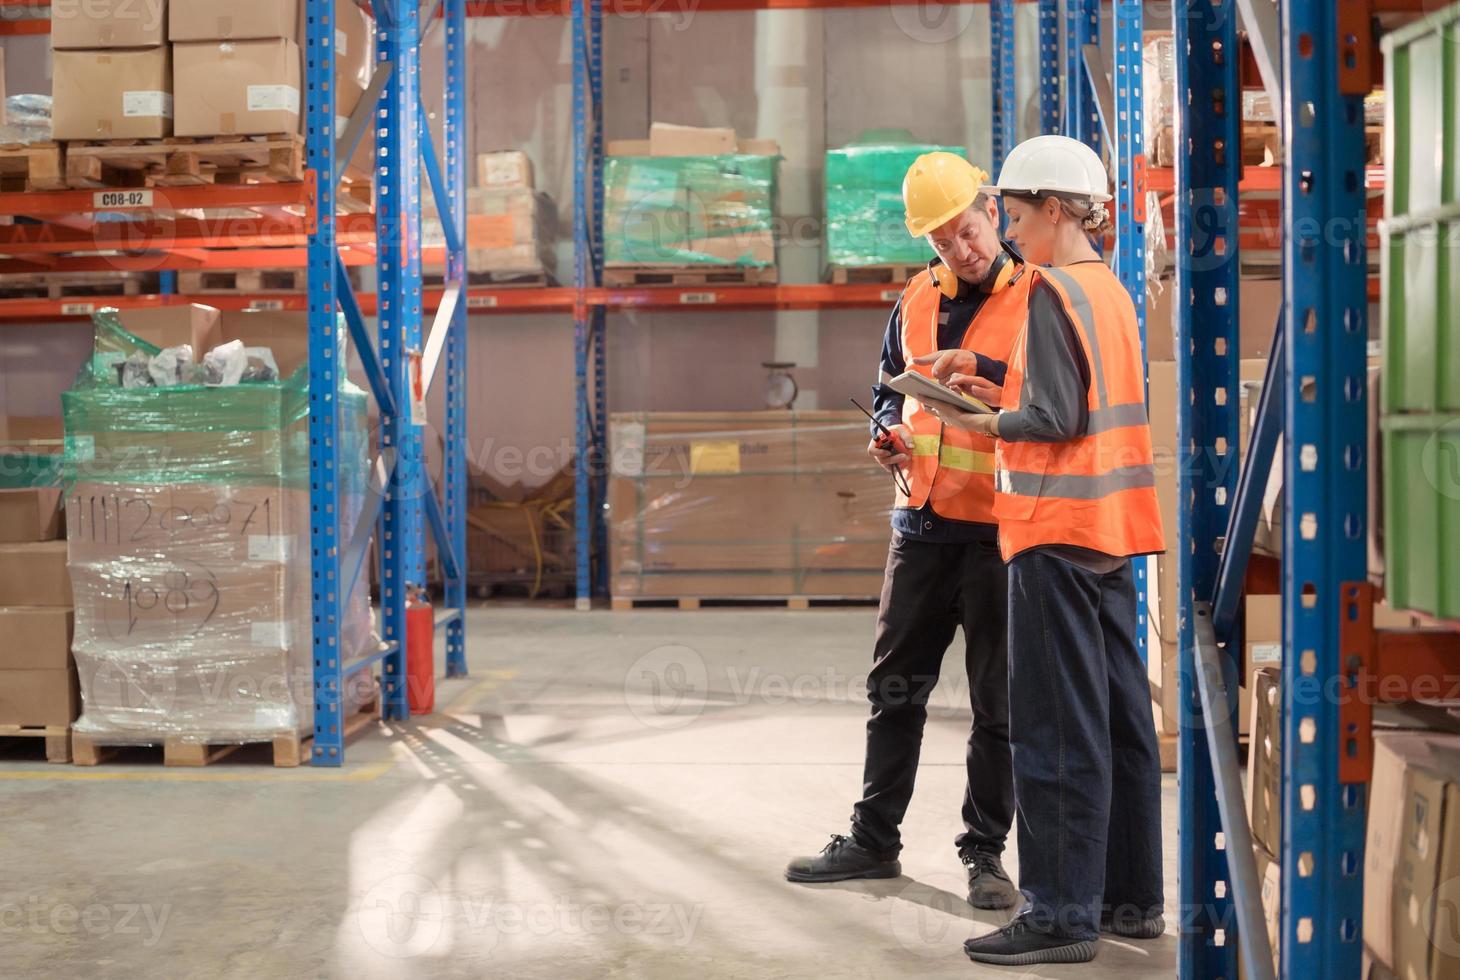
(951, 468)
(1097, 491)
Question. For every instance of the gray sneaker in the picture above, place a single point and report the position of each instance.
(989, 886)
(841, 860)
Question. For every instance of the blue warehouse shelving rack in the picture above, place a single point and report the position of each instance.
(312, 223)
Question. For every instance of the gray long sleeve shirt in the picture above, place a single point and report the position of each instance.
(1054, 402)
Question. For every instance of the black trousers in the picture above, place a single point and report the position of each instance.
(1086, 759)
(930, 590)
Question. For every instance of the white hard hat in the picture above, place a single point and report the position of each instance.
(1053, 165)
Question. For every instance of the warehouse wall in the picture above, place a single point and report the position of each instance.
(808, 79)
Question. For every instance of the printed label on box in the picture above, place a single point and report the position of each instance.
(628, 449)
(714, 456)
(274, 634)
(273, 98)
(501, 169)
(1267, 653)
(268, 547)
(342, 43)
(147, 104)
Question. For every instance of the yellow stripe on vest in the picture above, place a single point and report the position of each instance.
(925, 445)
(965, 460)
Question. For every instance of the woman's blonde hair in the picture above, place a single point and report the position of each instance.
(1093, 216)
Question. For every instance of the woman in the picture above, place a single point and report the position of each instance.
(1075, 501)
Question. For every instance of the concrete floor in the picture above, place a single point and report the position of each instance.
(608, 795)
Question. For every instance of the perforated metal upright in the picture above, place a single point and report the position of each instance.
(1082, 112)
(1208, 125)
(1001, 52)
(398, 363)
(1325, 303)
(1049, 66)
(589, 350)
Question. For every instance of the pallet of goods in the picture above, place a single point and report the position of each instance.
(511, 227)
(193, 93)
(778, 506)
(866, 238)
(187, 520)
(690, 207)
(39, 697)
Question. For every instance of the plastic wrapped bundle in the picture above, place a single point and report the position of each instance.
(188, 531)
(713, 210)
(27, 119)
(864, 211)
(746, 504)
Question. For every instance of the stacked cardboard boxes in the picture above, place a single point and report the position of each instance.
(689, 197)
(746, 504)
(37, 675)
(510, 226)
(195, 68)
(188, 523)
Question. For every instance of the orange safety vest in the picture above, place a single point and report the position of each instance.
(951, 468)
(1096, 491)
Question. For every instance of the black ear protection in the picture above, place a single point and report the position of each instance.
(1004, 269)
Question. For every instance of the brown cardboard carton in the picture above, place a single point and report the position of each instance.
(38, 697)
(1393, 754)
(237, 87)
(1270, 880)
(169, 326)
(669, 140)
(286, 334)
(1258, 299)
(119, 94)
(504, 168)
(1426, 946)
(33, 433)
(36, 638)
(1265, 760)
(226, 20)
(34, 574)
(81, 24)
(30, 515)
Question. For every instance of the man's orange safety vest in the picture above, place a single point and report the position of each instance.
(950, 468)
(1097, 491)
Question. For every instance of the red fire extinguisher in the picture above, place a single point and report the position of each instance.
(420, 653)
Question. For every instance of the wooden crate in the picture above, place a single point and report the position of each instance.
(890, 274)
(624, 275)
(57, 739)
(622, 603)
(32, 166)
(255, 281)
(62, 285)
(182, 161)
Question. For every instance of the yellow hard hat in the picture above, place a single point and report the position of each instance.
(938, 187)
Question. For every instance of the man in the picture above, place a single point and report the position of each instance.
(943, 565)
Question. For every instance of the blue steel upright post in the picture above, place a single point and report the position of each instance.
(398, 269)
(1049, 67)
(326, 543)
(454, 143)
(1005, 106)
(598, 314)
(1208, 132)
(1082, 113)
(583, 279)
(1325, 309)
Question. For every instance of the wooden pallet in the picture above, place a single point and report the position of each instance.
(494, 278)
(58, 286)
(289, 750)
(621, 603)
(57, 738)
(892, 274)
(204, 281)
(621, 276)
(182, 161)
(32, 166)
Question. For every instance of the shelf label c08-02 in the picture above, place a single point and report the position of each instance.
(266, 304)
(696, 299)
(78, 309)
(476, 301)
(122, 199)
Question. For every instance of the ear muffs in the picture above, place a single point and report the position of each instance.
(944, 279)
(1004, 269)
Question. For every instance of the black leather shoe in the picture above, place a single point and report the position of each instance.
(1129, 922)
(1018, 944)
(989, 886)
(842, 860)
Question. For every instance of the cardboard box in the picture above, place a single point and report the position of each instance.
(504, 168)
(669, 140)
(83, 24)
(354, 55)
(38, 697)
(640, 148)
(32, 433)
(34, 574)
(36, 638)
(226, 20)
(1265, 761)
(30, 515)
(169, 326)
(286, 334)
(103, 95)
(1258, 299)
(1427, 882)
(1393, 753)
(237, 87)
(1270, 875)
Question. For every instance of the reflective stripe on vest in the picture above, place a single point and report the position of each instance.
(1097, 490)
(950, 469)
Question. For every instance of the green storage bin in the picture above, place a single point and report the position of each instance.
(864, 211)
(1422, 513)
(1421, 231)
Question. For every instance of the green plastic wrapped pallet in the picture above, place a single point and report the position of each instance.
(864, 213)
(715, 210)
